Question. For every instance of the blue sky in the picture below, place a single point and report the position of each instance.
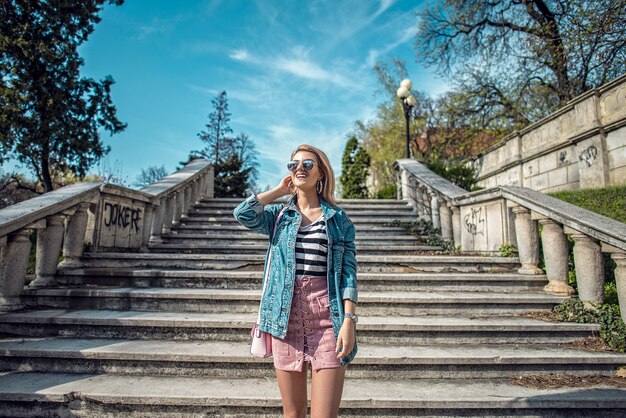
(295, 71)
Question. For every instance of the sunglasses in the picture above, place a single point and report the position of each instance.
(306, 164)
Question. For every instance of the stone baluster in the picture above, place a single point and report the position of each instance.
(211, 182)
(456, 225)
(427, 208)
(589, 264)
(412, 195)
(405, 184)
(620, 280)
(399, 185)
(157, 221)
(14, 260)
(207, 186)
(148, 220)
(445, 215)
(527, 241)
(419, 200)
(555, 254)
(168, 214)
(434, 210)
(196, 192)
(188, 197)
(49, 242)
(75, 234)
(178, 207)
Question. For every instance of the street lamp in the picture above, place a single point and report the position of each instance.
(408, 101)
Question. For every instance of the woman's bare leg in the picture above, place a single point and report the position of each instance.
(292, 387)
(326, 390)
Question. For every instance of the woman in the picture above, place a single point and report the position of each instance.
(309, 301)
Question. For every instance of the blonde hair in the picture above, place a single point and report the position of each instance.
(328, 177)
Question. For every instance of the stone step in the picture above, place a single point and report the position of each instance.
(358, 219)
(232, 359)
(171, 326)
(367, 263)
(247, 301)
(258, 239)
(224, 279)
(352, 212)
(214, 246)
(108, 395)
(238, 229)
(343, 203)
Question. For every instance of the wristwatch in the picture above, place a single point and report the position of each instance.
(353, 317)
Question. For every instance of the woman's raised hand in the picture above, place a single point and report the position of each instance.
(285, 186)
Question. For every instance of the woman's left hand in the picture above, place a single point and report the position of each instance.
(345, 339)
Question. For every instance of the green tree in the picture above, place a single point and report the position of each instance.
(227, 152)
(217, 130)
(354, 170)
(231, 178)
(149, 176)
(50, 116)
(515, 61)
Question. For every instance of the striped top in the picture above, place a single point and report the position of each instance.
(311, 249)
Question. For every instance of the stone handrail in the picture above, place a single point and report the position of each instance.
(103, 216)
(483, 221)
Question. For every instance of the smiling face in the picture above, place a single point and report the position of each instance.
(302, 179)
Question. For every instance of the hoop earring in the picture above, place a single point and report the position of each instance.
(319, 187)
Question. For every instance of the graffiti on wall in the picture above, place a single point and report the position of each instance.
(475, 221)
(589, 155)
(563, 161)
(117, 215)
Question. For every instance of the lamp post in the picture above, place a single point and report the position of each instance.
(408, 101)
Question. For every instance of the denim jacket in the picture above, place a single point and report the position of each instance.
(341, 270)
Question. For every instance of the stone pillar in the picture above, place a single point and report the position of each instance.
(589, 264)
(168, 213)
(419, 201)
(210, 174)
(75, 234)
(49, 241)
(194, 193)
(205, 185)
(188, 197)
(398, 185)
(178, 207)
(434, 210)
(404, 181)
(456, 225)
(427, 208)
(148, 219)
(445, 215)
(157, 222)
(555, 254)
(15, 265)
(527, 241)
(411, 195)
(620, 280)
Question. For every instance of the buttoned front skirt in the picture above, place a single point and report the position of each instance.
(310, 337)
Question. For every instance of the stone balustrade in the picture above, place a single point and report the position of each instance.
(582, 145)
(104, 216)
(483, 221)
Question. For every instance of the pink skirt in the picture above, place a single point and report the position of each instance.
(310, 336)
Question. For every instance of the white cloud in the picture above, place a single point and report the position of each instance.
(403, 37)
(240, 55)
(309, 70)
(297, 64)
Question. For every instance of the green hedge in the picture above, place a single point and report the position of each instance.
(608, 201)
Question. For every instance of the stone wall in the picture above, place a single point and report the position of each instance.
(582, 145)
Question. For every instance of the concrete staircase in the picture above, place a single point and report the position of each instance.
(165, 333)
